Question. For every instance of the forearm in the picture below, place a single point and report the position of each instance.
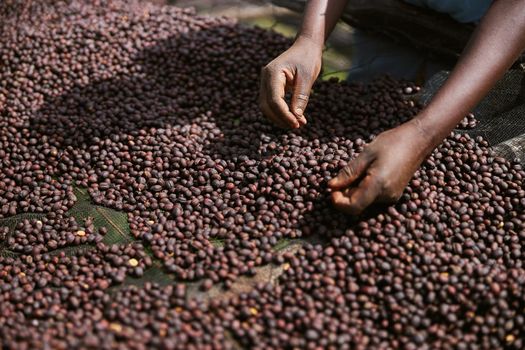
(494, 46)
(320, 18)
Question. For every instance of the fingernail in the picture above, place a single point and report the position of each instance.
(299, 111)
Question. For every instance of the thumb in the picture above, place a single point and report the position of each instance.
(350, 173)
(301, 93)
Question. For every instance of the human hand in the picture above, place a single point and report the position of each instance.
(294, 70)
(382, 171)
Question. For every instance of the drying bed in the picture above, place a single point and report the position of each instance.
(146, 203)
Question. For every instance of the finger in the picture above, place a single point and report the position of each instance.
(389, 197)
(276, 120)
(290, 89)
(300, 95)
(268, 113)
(340, 201)
(265, 108)
(353, 201)
(351, 172)
(275, 88)
(302, 120)
(289, 84)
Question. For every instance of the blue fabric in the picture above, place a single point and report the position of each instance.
(373, 55)
(463, 11)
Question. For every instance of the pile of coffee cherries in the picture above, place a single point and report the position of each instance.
(153, 109)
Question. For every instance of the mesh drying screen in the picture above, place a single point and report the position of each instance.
(500, 114)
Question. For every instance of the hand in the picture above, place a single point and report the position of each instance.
(382, 171)
(294, 70)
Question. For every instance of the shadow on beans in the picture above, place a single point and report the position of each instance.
(201, 88)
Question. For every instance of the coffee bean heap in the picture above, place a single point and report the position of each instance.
(178, 323)
(359, 294)
(83, 315)
(23, 190)
(107, 263)
(180, 159)
(440, 269)
(154, 110)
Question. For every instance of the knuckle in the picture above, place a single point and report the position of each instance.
(301, 98)
(348, 171)
(304, 70)
(336, 201)
(389, 191)
(382, 183)
(266, 70)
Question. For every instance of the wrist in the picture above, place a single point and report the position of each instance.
(430, 137)
(313, 42)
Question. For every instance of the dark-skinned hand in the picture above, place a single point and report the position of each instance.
(294, 70)
(382, 171)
